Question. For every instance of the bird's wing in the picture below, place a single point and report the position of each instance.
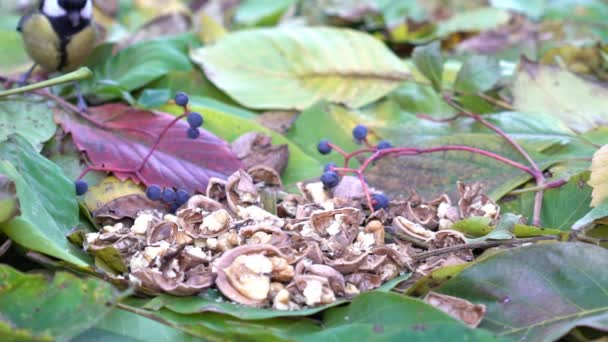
(22, 21)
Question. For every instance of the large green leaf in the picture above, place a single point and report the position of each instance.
(127, 71)
(378, 316)
(261, 12)
(562, 207)
(212, 301)
(579, 103)
(295, 67)
(48, 205)
(539, 292)
(36, 308)
(29, 116)
(476, 20)
(229, 123)
(124, 326)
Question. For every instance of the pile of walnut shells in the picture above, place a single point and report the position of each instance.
(318, 248)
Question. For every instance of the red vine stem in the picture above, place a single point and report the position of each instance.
(538, 175)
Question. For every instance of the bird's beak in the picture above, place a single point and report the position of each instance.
(74, 18)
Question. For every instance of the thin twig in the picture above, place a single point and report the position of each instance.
(5, 247)
(551, 185)
(477, 245)
(496, 102)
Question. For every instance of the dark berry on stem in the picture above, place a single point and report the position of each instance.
(193, 133)
(384, 145)
(181, 99)
(360, 132)
(330, 179)
(182, 197)
(379, 201)
(195, 120)
(153, 192)
(329, 167)
(169, 195)
(81, 187)
(324, 147)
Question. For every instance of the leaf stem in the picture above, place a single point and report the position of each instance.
(477, 245)
(78, 75)
(551, 185)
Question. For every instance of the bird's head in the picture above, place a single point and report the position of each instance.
(76, 11)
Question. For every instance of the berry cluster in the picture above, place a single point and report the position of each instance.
(168, 195)
(175, 198)
(331, 172)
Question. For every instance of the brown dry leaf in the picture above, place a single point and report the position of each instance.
(166, 25)
(469, 313)
(254, 149)
(278, 121)
(599, 176)
(128, 207)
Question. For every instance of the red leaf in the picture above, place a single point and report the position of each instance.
(126, 135)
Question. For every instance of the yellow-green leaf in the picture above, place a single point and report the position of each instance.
(295, 67)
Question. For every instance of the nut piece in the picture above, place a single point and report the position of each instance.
(215, 222)
(142, 223)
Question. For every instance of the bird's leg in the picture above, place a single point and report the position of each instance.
(82, 104)
(23, 79)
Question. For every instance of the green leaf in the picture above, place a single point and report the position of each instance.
(9, 203)
(29, 116)
(382, 316)
(538, 292)
(230, 122)
(127, 71)
(36, 308)
(295, 67)
(543, 89)
(477, 226)
(14, 57)
(120, 325)
(503, 230)
(49, 209)
(476, 20)
(429, 61)
(596, 213)
(562, 206)
(152, 98)
(532, 8)
(261, 12)
(213, 301)
(478, 74)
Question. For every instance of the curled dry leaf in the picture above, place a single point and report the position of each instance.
(255, 148)
(469, 313)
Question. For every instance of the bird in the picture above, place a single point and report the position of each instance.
(58, 37)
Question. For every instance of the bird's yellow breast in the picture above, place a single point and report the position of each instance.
(41, 42)
(45, 46)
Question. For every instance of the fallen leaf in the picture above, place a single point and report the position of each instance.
(599, 176)
(9, 203)
(301, 64)
(538, 292)
(544, 89)
(471, 314)
(128, 135)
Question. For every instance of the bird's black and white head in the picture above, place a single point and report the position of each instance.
(76, 12)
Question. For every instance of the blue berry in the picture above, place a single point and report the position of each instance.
(360, 132)
(193, 133)
(182, 197)
(181, 99)
(174, 207)
(379, 201)
(195, 120)
(168, 195)
(324, 147)
(153, 192)
(329, 166)
(330, 179)
(384, 145)
(81, 187)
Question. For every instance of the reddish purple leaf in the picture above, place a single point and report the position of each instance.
(126, 135)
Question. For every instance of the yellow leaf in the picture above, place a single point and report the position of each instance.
(108, 190)
(210, 30)
(599, 176)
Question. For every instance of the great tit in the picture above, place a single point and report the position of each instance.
(59, 36)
